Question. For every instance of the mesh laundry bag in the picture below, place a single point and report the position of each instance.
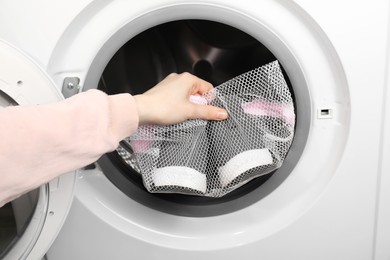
(213, 158)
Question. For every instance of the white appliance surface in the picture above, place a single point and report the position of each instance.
(334, 203)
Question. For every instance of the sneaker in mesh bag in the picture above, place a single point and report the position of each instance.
(255, 138)
(174, 159)
(237, 152)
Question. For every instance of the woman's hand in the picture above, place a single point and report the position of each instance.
(169, 101)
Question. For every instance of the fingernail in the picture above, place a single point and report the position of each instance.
(222, 115)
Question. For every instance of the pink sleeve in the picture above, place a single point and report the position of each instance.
(41, 142)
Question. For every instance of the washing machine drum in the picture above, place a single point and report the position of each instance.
(216, 161)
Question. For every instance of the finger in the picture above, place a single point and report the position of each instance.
(208, 112)
(199, 86)
(203, 86)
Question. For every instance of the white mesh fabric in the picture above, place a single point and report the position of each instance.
(212, 158)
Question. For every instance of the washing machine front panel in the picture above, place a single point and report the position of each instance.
(295, 202)
(23, 82)
(382, 234)
(321, 205)
(35, 27)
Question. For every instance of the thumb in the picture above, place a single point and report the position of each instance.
(208, 112)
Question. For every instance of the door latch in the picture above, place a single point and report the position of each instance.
(70, 86)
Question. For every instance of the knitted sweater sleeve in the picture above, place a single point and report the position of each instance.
(41, 142)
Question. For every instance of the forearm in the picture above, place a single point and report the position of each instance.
(39, 143)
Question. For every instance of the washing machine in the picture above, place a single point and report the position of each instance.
(328, 200)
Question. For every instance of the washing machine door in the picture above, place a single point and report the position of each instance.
(30, 223)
